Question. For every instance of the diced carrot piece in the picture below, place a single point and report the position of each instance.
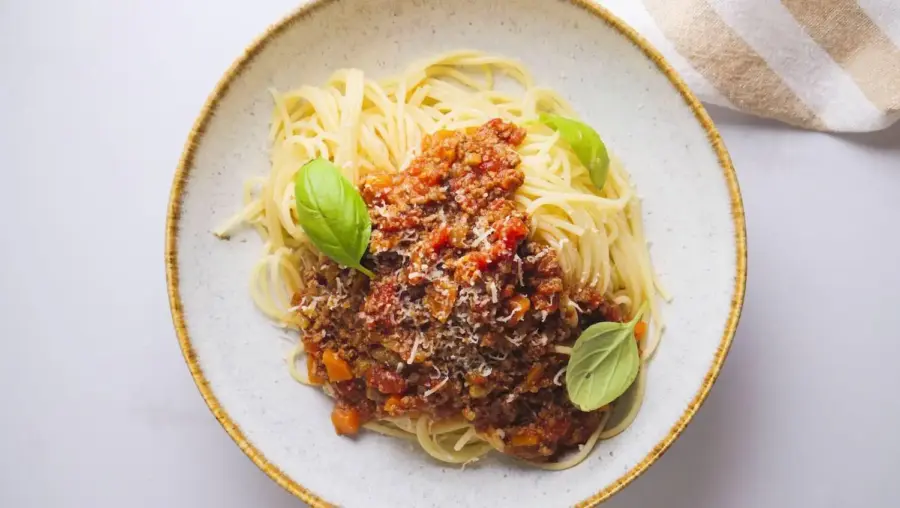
(312, 372)
(525, 438)
(446, 152)
(534, 375)
(440, 296)
(392, 405)
(345, 420)
(640, 329)
(338, 369)
(441, 135)
(478, 391)
(378, 181)
(520, 304)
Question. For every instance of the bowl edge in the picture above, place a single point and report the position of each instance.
(185, 164)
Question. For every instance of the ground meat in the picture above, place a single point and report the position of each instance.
(463, 314)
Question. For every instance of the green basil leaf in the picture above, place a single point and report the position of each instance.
(332, 213)
(604, 363)
(586, 144)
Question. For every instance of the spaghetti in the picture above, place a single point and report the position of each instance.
(370, 128)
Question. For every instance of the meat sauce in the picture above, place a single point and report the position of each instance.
(463, 314)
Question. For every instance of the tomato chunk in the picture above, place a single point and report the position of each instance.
(385, 381)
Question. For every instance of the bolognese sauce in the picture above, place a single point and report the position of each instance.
(464, 312)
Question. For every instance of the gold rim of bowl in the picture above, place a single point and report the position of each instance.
(174, 213)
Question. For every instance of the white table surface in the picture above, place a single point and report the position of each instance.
(97, 408)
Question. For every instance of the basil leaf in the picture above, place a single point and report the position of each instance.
(604, 363)
(332, 213)
(586, 144)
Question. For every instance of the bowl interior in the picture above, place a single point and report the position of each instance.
(692, 216)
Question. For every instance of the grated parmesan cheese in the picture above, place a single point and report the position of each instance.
(519, 275)
(415, 347)
(436, 388)
(507, 318)
(558, 376)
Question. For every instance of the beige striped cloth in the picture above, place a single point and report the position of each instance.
(831, 65)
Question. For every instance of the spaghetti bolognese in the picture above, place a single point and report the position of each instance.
(480, 235)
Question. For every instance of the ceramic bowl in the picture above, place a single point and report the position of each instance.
(615, 80)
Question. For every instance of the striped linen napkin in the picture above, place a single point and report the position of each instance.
(830, 65)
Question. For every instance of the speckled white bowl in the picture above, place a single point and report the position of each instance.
(619, 84)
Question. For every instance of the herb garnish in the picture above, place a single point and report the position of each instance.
(586, 144)
(332, 213)
(604, 363)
